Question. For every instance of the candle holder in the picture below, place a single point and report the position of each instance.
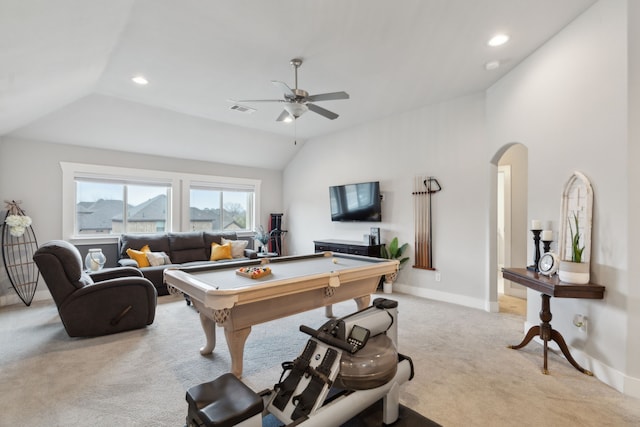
(546, 246)
(536, 242)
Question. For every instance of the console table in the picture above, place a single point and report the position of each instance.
(551, 287)
(347, 247)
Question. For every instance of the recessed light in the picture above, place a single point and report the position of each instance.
(491, 65)
(498, 40)
(141, 80)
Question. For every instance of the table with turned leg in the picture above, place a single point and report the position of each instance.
(550, 287)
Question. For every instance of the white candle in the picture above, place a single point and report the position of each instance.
(536, 224)
(547, 235)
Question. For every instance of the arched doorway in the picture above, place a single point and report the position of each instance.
(510, 236)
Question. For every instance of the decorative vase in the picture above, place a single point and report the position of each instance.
(576, 273)
(387, 287)
(94, 260)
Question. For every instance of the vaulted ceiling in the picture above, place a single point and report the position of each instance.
(66, 67)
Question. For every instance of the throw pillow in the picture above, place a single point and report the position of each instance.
(139, 256)
(219, 252)
(237, 247)
(158, 258)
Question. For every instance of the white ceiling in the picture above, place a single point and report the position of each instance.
(66, 65)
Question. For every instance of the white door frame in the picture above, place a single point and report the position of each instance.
(510, 288)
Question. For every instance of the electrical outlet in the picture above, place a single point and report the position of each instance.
(580, 321)
(438, 276)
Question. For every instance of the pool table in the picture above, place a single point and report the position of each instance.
(296, 284)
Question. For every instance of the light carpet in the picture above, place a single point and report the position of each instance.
(465, 375)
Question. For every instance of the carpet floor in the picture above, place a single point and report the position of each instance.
(465, 375)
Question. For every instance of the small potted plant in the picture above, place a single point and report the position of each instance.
(263, 237)
(574, 271)
(394, 251)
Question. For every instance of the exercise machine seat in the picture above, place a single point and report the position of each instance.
(223, 402)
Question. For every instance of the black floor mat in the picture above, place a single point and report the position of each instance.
(372, 417)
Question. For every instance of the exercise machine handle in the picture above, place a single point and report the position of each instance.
(326, 338)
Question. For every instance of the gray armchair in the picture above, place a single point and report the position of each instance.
(108, 301)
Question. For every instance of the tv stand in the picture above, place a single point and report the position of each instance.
(347, 247)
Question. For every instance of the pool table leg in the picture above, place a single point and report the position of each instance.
(209, 328)
(361, 303)
(235, 341)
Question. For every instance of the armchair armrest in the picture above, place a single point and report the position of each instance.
(127, 262)
(109, 306)
(114, 273)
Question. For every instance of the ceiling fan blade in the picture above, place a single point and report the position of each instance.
(256, 100)
(322, 111)
(284, 88)
(283, 116)
(328, 96)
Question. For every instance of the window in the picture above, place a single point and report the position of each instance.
(112, 207)
(103, 202)
(220, 209)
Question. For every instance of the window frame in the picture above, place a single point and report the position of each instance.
(180, 184)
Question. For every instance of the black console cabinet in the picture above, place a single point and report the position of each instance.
(347, 247)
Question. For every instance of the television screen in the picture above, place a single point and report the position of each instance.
(356, 202)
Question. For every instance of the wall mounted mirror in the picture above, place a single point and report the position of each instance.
(577, 202)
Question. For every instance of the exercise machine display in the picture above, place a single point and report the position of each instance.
(347, 365)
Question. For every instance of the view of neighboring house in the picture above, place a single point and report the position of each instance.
(106, 217)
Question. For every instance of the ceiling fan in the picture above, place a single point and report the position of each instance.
(297, 101)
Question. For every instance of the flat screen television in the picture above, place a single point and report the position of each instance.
(356, 202)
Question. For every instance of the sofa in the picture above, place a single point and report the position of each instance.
(153, 253)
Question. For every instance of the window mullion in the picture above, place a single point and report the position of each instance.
(125, 208)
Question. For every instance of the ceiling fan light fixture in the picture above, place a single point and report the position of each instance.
(295, 109)
(288, 119)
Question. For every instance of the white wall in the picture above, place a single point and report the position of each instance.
(633, 306)
(30, 171)
(446, 141)
(568, 104)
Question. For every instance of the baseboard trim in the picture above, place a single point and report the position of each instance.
(623, 383)
(442, 296)
(11, 298)
(612, 377)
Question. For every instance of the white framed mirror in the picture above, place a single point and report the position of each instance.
(577, 203)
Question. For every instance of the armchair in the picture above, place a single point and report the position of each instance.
(105, 302)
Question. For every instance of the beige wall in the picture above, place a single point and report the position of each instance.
(571, 119)
(567, 105)
(30, 171)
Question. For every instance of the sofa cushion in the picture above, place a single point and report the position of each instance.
(237, 247)
(140, 257)
(158, 258)
(157, 242)
(219, 252)
(216, 237)
(187, 247)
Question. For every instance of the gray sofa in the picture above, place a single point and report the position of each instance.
(182, 249)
